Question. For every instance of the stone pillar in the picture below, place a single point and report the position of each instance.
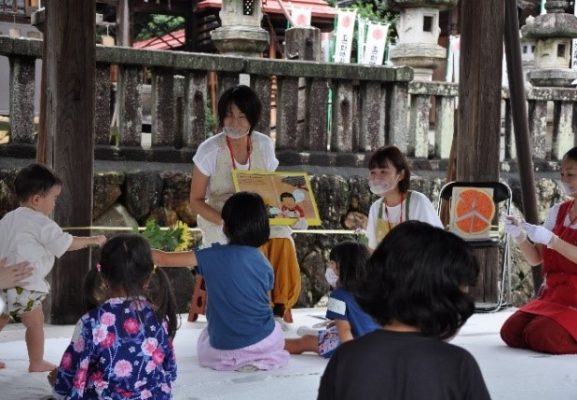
(164, 125)
(304, 43)
(195, 97)
(129, 105)
(22, 99)
(240, 33)
(102, 115)
(418, 31)
(553, 32)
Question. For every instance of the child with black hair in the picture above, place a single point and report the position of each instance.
(416, 288)
(344, 273)
(122, 348)
(241, 333)
(29, 234)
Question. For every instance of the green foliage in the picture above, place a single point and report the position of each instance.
(167, 239)
(375, 12)
(153, 25)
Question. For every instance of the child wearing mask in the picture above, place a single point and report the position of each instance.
(345, 270)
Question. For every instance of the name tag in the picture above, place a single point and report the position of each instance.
(337, 306)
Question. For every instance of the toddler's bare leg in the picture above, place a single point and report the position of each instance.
(34, 323)
(4, 319)
(302, 344)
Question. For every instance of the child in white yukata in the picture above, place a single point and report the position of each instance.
(346, 267)
(29, 234)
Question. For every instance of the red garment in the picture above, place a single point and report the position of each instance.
(530, 331)
(296, 209)
(558, 299)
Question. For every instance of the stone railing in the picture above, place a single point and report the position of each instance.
(326, 114)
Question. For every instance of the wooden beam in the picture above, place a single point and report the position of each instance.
(70, 74)
(124, 24)
(482, 25)
(521, 123)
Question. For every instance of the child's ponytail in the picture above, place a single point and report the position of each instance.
(160, 293)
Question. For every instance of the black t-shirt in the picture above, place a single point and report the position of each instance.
(401, 366)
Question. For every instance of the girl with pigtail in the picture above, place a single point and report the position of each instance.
(122, 347)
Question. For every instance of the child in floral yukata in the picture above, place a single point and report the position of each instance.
(123, 348)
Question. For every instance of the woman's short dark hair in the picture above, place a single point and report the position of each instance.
(391, 156)
(416, 276)
(246, 220)
(351, 257)
(571, 154)
(34, 179)
(245, 99)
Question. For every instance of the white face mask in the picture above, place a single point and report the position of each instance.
(379, 187)
(234, 133)
(331, 277)
(566, 189)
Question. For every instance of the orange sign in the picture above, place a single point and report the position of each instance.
(472, 213)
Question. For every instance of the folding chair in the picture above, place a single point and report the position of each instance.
(468, 198)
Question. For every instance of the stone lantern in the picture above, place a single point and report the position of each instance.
(418, 31)
(528, 48)
(553, 32)
(240, 32)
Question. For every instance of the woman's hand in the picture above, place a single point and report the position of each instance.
(14, 275)
(538, 234)
(514, 227)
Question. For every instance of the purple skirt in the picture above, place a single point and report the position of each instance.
(267, 354)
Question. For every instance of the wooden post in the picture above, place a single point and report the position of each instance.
(124, 23)
(70, 92)
(482, 25)
(520, 123)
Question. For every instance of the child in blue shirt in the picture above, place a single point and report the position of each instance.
(241, 333)
(123, 349)
(345, 269)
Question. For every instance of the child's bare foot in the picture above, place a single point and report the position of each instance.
(2, 365)
(41, 366)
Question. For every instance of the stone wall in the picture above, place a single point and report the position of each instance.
(130, 196)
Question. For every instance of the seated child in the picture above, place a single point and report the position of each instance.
(241, 333)
(123, 347)
(344, 272)
(416, 287)
(29, 234)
